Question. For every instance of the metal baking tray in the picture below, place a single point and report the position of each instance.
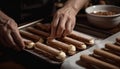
(22, 27)
(96, 34)
(72, 62)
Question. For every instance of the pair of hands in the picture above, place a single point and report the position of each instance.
(62, 25)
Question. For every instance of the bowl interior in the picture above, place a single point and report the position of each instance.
(103, 21)
(103, 8)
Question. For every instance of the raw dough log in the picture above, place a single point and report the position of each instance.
(112, 47)
(58, 54)
(45, 27)
(82, 37)
(99, 63)
(39, 32)
(31, 36)
(78, 44)
(70, 49)
(107, 55)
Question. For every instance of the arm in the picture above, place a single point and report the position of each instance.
(3, 18)
(65, 18)
(9, 33)
(76, 5)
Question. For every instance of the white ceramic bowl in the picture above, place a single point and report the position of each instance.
(103, 21)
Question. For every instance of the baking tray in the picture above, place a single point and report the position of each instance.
(96, 34)
(72, 62)
(22, 27)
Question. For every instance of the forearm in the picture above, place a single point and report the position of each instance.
(76, 4)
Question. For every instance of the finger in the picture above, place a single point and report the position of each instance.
(54, 26)
(11, 42)
(67, 28)
(73, 24)
(5, 39)
(20, 39)
(8, 39)
(48, 26)
(17, 38)
(61, 26)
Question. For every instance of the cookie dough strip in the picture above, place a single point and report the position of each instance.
(78, 44)
(112, 47)
(70, 49)
(99, 63)
(107, 55)
(45, 54)
(58, 54)
(45, 27)
(31, 36)
(104, 59)
(82, 37)
(39, 32)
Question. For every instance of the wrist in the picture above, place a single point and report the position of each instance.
(72, 10)
(76, 5)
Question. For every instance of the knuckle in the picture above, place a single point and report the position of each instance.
(70, 17)
(68, 31)
(62, 27)
(58, 13)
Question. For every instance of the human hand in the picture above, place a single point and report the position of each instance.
(9, 34)
(63, 22)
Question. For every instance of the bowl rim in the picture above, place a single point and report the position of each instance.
(118, 14)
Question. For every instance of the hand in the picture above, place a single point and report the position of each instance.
(9, 35)
(63, 22)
